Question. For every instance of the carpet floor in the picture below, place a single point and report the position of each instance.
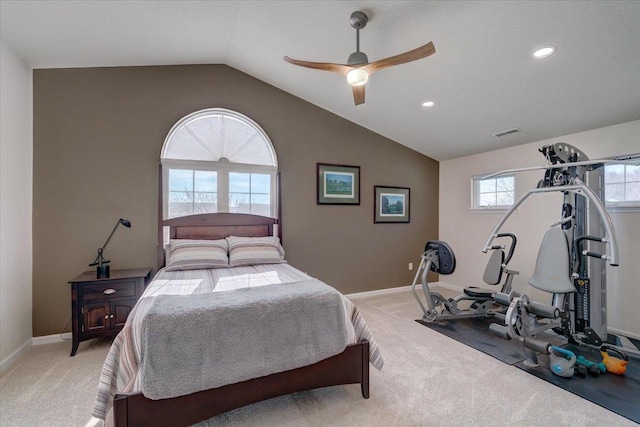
(428, 380)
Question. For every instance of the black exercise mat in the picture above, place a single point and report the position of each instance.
(617, 393)
(475, 333)
(620, 394)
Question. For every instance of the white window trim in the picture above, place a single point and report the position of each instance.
(217, 166)
(475, 187)
(623, 208)
(223, 168)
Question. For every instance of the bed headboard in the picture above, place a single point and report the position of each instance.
(212, 226)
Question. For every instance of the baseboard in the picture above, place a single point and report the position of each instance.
(48, 339)
(624, 333)
(402, 289)
(380, 292)
(13, 356)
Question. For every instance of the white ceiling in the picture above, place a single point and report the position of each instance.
(482, 77)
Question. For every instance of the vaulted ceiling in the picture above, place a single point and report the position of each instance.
(482, 78)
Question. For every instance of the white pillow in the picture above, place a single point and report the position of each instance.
(254, 250)
(197, 254)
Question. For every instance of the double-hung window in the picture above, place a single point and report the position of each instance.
(493, 193)
(218, 160)
(622, 185)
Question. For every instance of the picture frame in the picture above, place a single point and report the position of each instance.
(338, 184)
(391, 204)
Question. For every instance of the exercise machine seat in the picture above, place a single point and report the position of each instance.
(492, 276)
(493, 270)
(475, 292)
(552, 265)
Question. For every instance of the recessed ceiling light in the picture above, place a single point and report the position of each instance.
(428, 104)
(543, 52)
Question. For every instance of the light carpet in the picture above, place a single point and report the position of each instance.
(427, 380)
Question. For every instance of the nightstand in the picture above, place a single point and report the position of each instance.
(100, 307)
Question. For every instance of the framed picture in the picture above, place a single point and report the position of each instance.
(391, 204)
(338, 184)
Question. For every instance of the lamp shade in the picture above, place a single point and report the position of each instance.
(357, 77)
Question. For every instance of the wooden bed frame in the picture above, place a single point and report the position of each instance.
(349, 367)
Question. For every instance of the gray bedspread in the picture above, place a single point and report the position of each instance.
(197, 342)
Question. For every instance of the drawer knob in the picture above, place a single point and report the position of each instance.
(106, 317)
(111, 316)
(109, 291)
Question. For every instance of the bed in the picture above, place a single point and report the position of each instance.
(120, 383)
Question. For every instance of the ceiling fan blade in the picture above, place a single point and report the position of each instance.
(325, 66)
(358, 94)
(412, 55)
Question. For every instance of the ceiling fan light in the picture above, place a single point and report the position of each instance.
(357, 77)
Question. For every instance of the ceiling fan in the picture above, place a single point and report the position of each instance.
(358, 68)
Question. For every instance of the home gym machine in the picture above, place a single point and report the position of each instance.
(439, 258)
(571, 263)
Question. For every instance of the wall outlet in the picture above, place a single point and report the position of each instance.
(410, 266)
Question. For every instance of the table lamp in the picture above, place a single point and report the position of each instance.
(102, 269)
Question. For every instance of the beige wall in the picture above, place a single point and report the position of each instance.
(97, 139)
(16, 166)
(468, 231)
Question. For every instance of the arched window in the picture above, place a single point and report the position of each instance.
(218, 160)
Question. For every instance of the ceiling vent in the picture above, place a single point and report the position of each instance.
(506, 132)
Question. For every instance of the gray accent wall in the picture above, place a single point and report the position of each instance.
(97, 139)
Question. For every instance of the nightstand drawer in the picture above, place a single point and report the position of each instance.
(103, 291)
